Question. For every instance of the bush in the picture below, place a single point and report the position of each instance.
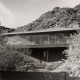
(73, 55)
(53, 65)
(9, 59)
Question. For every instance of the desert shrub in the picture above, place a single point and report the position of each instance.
(9, 59)
(39, 65)
(53, 65)
(31, 67)
(73, 55)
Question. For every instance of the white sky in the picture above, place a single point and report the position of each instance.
(16, 13)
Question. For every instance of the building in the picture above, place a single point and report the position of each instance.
(46, 45)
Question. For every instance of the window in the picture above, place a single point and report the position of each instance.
(31, 39)
(66, 38)
(59, 39)
(52, 39)
(37, 39)
(44, 39)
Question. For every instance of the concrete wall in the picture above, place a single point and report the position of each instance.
(7, 75)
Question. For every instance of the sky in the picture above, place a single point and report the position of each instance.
(16, 13)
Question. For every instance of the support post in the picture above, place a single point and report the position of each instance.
(48, 39)
(47, 55)
(55, 39)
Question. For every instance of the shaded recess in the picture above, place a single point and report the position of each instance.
(49, 54)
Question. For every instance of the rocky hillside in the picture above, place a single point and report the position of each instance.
(5, 29)
(58, 17)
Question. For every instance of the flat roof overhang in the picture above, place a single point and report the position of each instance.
(43, 31)
(40, 46)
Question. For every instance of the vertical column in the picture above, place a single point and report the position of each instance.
(40, 39)
(48, 38)
(47, 55)
(62, 39)
(55, 39)
(34, 39)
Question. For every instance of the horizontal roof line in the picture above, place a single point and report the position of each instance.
(42, 31)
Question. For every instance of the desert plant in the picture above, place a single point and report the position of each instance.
(9, 59)
(73, 55)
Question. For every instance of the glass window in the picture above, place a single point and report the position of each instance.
(59, 39)
(31, 39)
(37, 39)
(25, 37)
(44, 39)
(52, 39)
(66, 38)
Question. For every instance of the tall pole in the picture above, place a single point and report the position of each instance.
(47, 55)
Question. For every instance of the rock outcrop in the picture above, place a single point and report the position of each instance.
(57, 18)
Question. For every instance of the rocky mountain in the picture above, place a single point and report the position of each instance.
(57, 18)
